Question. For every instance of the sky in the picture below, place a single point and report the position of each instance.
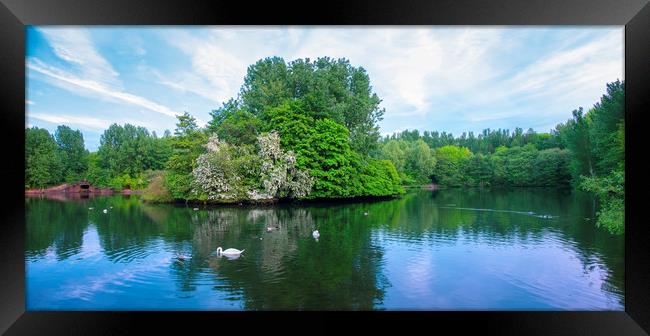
(444, 78)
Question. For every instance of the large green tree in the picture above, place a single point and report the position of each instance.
(607, 129)
(187, 144)
(43, 165)
(450, 165)
(414, 160)
(234, 125)
(74, 155)
(327, 88)
(327, 156)
(126, 152)
(575, 134)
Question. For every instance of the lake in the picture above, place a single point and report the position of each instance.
(450, 249)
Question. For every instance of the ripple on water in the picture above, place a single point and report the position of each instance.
(130, 253)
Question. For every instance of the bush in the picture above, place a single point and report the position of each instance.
(126, 181)
(379, 178)
(157, 191)
(610, 191)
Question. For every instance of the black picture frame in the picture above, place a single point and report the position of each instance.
(16, 14)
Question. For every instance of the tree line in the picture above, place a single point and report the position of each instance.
(585, 152)
(494, 158)
(126, 157)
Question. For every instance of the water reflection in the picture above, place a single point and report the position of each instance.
(448, 249)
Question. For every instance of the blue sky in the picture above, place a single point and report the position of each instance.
(452, 79)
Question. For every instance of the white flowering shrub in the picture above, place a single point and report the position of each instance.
(213, 175)
(228, 172)
(280, 177)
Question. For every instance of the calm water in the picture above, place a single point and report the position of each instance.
(450, 249)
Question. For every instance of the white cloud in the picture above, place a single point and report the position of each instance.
(410, 68)
(29, 102)
(97, 87)
(74, 45)
(87, 122)
(555, 84)
(398, 130)
(573, 68)
(217, 70)
(88, 72)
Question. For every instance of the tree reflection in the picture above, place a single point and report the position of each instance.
(285, 268)
(54, 225)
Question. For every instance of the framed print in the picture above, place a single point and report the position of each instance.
(461, 163)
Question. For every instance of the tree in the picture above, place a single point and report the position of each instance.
(280, 175)
(239, 127)
(325, 88)
(266, 85)
(575, 134)
(327, 155)
(187, 144)
(479, 170)
(234, 124)
(222, 172)
(607, 129)
(450, 163)
(610, 191)
(291, 121)
(420, 161)
(379, 178)
(551, 167)
(43, 166)
(96, 174)
(396, 152)
(516, 165)
(126, 152)
(117, 149)
(74, 156)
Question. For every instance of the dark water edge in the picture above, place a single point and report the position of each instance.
(447, 249)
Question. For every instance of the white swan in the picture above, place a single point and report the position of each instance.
(315, 234)
(229, 252)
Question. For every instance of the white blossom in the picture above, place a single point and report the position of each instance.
(213, 144)
(278, 176)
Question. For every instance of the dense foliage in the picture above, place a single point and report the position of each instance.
(302, 129)
(327, 88)
(43, 164)
(125, 153)
(597, 139)
(74, 157)
(587, 151)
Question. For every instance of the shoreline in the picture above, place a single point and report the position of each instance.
(272, 202)
(98, 192)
